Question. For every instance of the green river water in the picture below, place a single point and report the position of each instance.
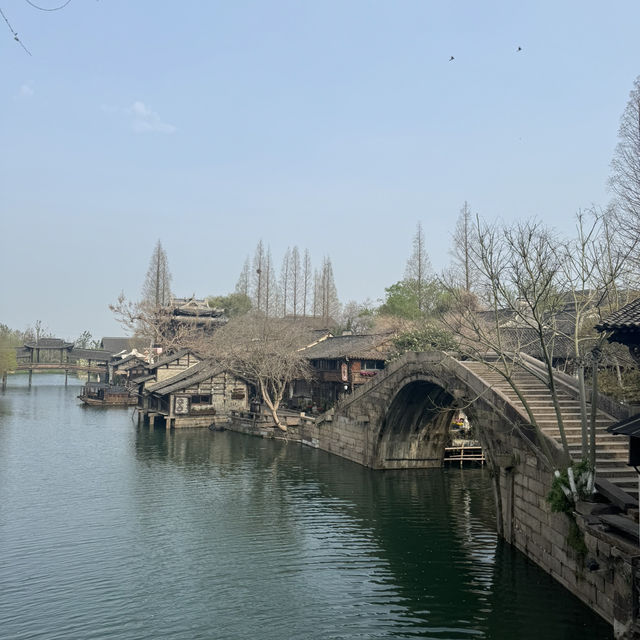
(110, 530)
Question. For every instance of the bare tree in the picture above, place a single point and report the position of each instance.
(295, 281)
(518, 273)
(285, 281)
(556, 290)
(271, 291)
(150, 318)
(38, 331)
(156, 289)
(358, 317)
(307, 281)
(316, 308)
(463, 238)
(625, 165)
(328, 306)
(592, 265)
(265, 352)
(155, 325)
(418, 268)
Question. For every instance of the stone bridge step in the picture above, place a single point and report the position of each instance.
(611, 451)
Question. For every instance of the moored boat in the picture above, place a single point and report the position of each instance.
(102, 394)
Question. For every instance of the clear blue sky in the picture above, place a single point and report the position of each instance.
(334, 126)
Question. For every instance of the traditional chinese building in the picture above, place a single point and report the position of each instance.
(201, 395)
(339, 365)
(193, 314)
(624, 327)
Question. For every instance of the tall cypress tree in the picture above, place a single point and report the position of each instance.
(156, 289)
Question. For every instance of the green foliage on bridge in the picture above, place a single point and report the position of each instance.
(406, 299)
(426, 338)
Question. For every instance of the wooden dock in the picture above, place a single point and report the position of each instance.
(464, 453)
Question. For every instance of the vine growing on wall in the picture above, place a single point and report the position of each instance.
(561, 500)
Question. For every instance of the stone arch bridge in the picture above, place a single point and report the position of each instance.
(401, 419)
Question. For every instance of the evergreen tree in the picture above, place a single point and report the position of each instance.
(156, 290)
(242, 286)
(418, 269)
(329, 303)
(258, 285)
(462, 251)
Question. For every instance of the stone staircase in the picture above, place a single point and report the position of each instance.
(611, 451)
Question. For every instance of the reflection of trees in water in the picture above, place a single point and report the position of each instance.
(416, 518)
(230, 474)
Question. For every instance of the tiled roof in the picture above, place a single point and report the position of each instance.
(172, 357)
(129, 362)
(117, 345)
(628, 317)
(101, 355)
(371, 347)
(49, 343)
(182, 375)
(627, 427)
(187, 378)
(144, 378)
(205, 374)
(527, 340)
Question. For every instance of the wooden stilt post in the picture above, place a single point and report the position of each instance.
(30, 376)
(4, 381)
(66, 377)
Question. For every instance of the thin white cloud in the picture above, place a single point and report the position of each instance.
(142, 119)
(25, 91)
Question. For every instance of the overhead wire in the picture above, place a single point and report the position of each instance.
(14, 32)
(35, 6)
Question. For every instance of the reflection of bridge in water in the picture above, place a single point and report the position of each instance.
(49, 354)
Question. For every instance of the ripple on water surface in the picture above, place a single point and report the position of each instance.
(112, 531)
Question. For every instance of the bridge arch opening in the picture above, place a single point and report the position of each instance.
(415, 429)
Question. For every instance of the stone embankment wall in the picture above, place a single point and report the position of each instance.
(595, 565)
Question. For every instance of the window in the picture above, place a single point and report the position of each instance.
(325, 365)
(201, 399)
(372, 365)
